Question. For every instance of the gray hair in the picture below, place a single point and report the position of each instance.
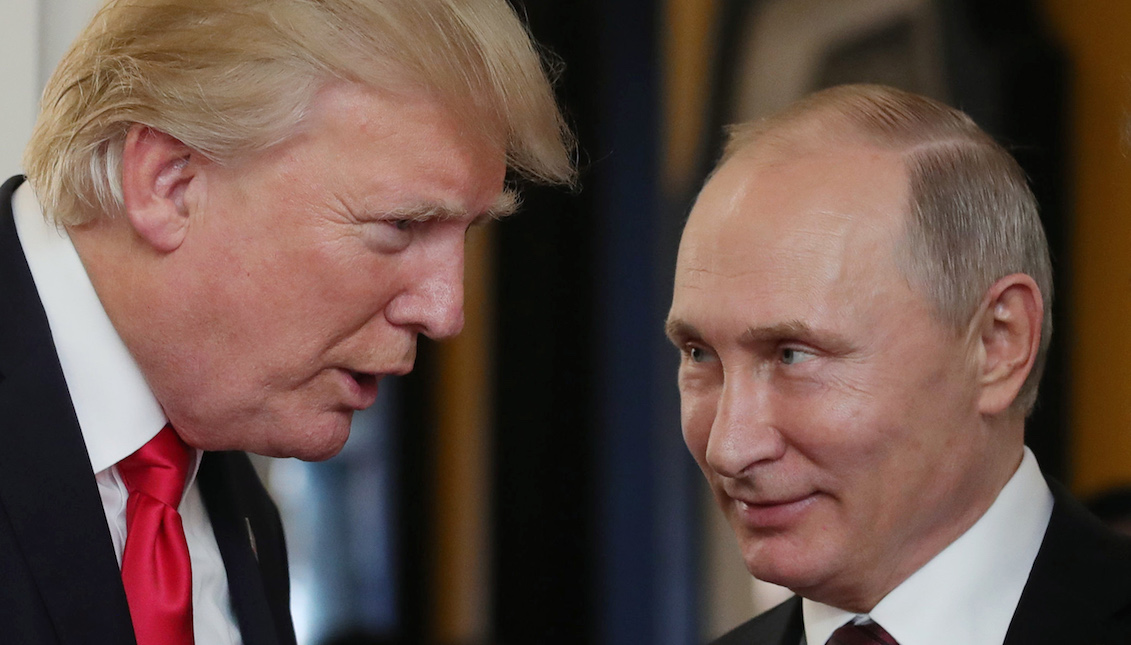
(973, 219)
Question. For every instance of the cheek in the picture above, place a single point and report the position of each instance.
(873, 459)
(324, 285)
(697, 410)
(841, 431)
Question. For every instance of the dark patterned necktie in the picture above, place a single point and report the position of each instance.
(863, 634)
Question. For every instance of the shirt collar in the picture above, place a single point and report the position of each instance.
(969, 591)
(116, 410)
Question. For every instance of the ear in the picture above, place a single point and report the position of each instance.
(155, 174)
(1009, 327)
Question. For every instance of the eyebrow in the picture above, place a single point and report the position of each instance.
(504, 205)
(828, 340)
(678, 330)
(789, 329)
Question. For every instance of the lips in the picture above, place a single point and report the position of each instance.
(362, 389)
(772, 513)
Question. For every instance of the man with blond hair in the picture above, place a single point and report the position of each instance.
(861, 303)
(237, 218)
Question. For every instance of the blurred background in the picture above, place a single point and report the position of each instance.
(528, 482)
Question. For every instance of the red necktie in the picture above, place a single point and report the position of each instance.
(155, 564)
(862, 634)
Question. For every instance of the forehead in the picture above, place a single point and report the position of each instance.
(847, 189)
(802, 231)
(405, 147)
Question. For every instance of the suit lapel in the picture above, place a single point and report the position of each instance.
(1080, 580)
(236, 538)
(46, 484)
(782, 625)
(793, 627)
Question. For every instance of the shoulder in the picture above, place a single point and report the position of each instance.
(10, 185)
(780, 625)
(1078, 547)
(1081, 580)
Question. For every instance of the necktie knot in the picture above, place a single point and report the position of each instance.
(159, 468)
(156, 565)
(868, 633)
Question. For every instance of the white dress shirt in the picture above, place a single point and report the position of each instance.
(968, 592)
(116, 410)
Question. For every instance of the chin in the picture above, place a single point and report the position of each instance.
(318, 444)
(309, 440)
(777, 565)
(770, 574)
(316, 453)
(306, 451)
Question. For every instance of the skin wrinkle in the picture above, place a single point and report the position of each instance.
(276, 294)
(806, 260)
(442, 212)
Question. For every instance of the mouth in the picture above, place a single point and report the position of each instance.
(362, 388)
(773, 513)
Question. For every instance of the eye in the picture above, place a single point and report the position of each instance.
(698, 354)
(793, 356)
(388, 234)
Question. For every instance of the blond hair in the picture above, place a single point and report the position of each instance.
(973, 219)
(230, 79)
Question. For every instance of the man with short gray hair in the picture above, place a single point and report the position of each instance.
(237, 218)
(862, 307)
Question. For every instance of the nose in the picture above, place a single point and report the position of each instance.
(432, 302)
(743, 432)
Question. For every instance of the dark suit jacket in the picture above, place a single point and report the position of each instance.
(59, 578)
(1078, 593)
